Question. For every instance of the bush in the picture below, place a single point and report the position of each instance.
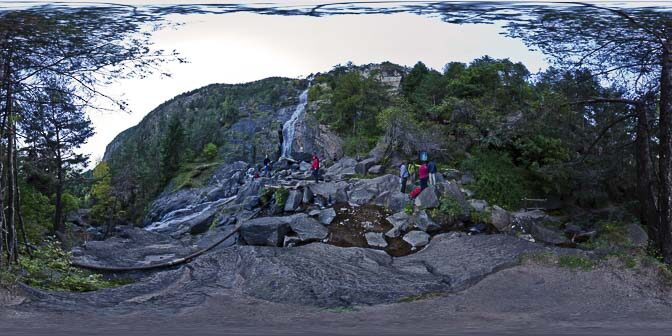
(50, 268)
(209, 152)
(281, 196)
(497, 179)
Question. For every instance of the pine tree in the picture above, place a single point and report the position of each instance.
(171, 149)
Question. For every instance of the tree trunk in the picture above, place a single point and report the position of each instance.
(648, 211)
(665, 125)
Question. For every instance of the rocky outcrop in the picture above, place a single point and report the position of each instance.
(365, 191)
(293, 200)
(315, 274)
(307, 229)
(343, 168)
(327, 216)
(362, 167)
(500, 219)
(424, 223)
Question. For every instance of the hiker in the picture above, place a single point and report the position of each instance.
(267, 166)
(316, 167)
(432, 173)
(423, 174)
(412, 170)
(403, 176)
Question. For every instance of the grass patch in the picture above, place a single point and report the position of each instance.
(281, 195)
(194, 175)
(419, 297)
(575, 262)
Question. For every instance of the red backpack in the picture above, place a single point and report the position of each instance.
(415, 192)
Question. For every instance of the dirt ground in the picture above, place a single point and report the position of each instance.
(530, 299)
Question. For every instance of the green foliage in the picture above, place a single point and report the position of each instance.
(408, 208)
(611, 235)
(50, 268)
(450, 207)
(281, 195)
(70, 203)
(575, 262)
(497, 179)
(171, 149)
(209, 151)
(105, 204)
(38, 213)
(479, 216)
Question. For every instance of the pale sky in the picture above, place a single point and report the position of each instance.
(243, 47)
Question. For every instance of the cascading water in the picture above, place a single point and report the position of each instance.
(289, 128)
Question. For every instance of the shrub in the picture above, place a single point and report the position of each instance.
(209, 152)
(281, 196)
(575, 261)
(50, 268)
(497, 179)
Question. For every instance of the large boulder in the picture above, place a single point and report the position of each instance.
(307, 229)
(293, 200)
(396, 201)
(331, 191)
(500, 219)
(363, 166)
(547, 234)
(424, 223)
(400, 223)
(342, 168)
(375, 239)
(265, 231)
(368, 190)
(427, 199)
(417, 238)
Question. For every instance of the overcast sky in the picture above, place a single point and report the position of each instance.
(243, 47)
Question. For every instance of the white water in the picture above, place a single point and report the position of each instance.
(289, 128)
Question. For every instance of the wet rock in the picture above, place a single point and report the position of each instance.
(375, 239)
(293, 200)
(196, 219)
(417, 238)
(265, 231)
(427, 199)
(424, 223)
(636, 235)
(377, 169)
(547, 235)
(500, 219)
(313, 213)
(308, 229)
(251, 202)
(327, 216)
(478, 205)
(363, 166)
(307, 196)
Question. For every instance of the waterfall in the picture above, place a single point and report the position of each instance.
(289, 128)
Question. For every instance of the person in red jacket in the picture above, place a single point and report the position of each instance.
(316, 167)
(423, 174)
